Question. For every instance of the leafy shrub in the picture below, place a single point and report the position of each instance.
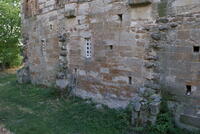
(165, 123)
(9, 33)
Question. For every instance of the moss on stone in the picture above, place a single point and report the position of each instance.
(162, 9)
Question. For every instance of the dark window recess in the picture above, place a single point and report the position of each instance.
(130, 80)
(79, 22)
(188, 90)
(196, 49)
(120, 17)
(111, 47)
(75, 70)
(51, 27)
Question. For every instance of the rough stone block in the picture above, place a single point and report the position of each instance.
(23, 75)
(62, 83)
(155, 108)
(190, 120)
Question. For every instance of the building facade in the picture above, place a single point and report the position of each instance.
(116, 52)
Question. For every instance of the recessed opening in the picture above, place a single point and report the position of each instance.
(111, 47)
(130, 80)
(42, 40)
(75, 70)
(188, 90)
(51, 27)
(196, 49)
(120, 17)
(79, 22)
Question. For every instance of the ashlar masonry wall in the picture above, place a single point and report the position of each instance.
(106, 46)
(117, 52)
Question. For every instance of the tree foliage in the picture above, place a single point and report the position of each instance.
(9, 33)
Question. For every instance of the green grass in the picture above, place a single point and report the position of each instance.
(29, 109)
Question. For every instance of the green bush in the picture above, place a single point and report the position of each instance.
(165, 123)
(9, 33)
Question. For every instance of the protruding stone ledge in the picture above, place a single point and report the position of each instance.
(70, 13)
(135, 3)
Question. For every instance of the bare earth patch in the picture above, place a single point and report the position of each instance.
(10, 70)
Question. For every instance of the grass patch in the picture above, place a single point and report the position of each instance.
(29, 109)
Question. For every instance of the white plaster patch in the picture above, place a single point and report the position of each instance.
(71, 6)
(171, 78)
(184, 2)
(104, 70)
(93, 74)
(194, 88)
(120, 78)
(82, 72)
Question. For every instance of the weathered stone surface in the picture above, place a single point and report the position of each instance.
(163, 27)
(154, 108)
(173, 24)
(62, 83)
(23, 75)
(190, 120)
(112, 52)
(70, 14)
(156, 36)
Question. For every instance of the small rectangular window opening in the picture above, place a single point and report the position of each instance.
(111, 47)
(196, 49)
(79, 22)
(75, 70)
(130, 80)
(188, 90)
(120, 17)
(88, 46)
(51, 27)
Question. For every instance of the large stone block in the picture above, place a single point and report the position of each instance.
(62, 83)
(23, 75)
(70, 13)
(190, 120)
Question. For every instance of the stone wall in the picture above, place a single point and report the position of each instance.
(179, 64)
(115, 68)
(117, 51)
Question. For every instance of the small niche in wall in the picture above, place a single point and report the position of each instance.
(51, 26)
(120, 17)
(111, 47)
(196, 49)
(79, 22)
(130, 80)
(188, 90)
(75, 70)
